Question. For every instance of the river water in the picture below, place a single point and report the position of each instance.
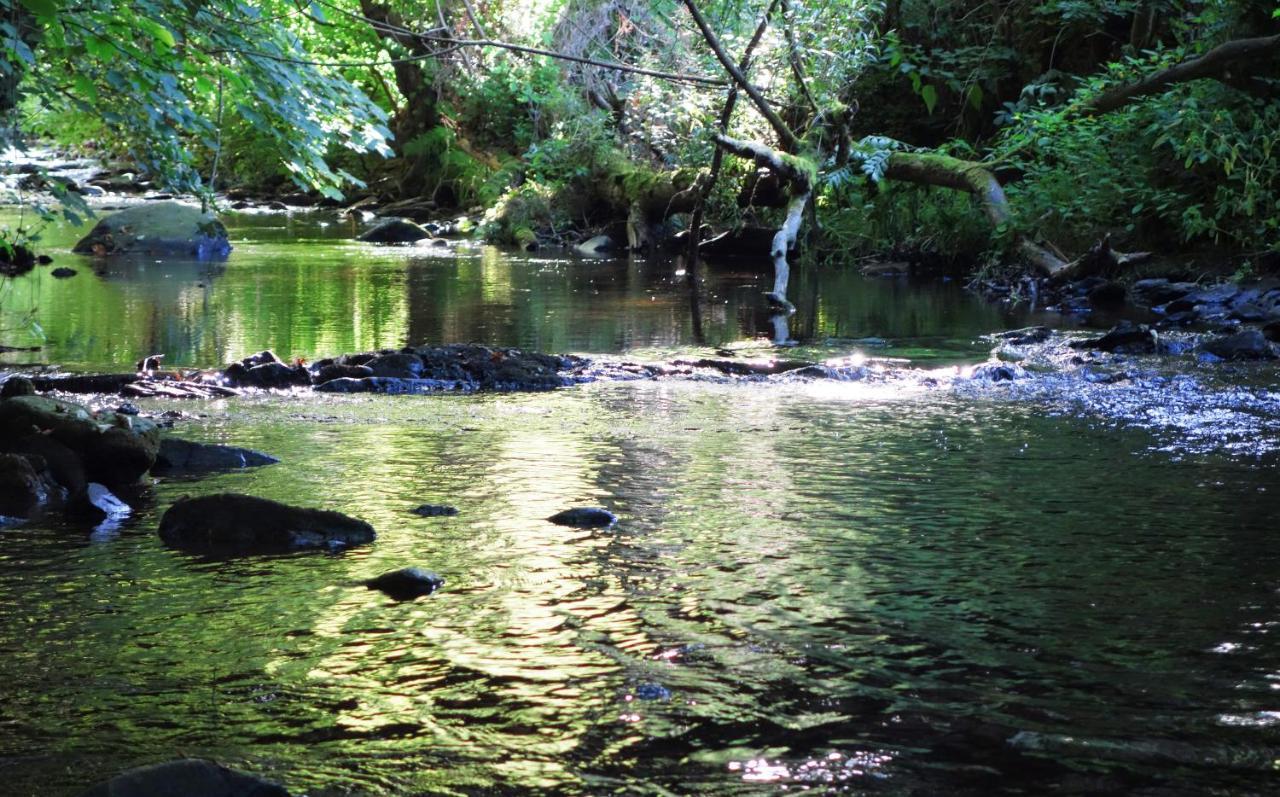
(828, 586)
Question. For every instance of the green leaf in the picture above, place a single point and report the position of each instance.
(97, 48)
(975, 97)
(45, 9)
(930, 96)
(85, 87)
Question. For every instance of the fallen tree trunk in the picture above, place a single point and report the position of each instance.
(945, 171)
(1216, 64)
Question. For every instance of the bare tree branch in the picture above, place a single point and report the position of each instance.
(787, 138)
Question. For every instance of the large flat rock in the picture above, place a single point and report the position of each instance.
(158, 229)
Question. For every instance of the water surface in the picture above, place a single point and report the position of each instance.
(811, 586)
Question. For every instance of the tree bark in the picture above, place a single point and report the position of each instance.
(801, 190)
(1216, 64)
(945, 171)
(420, 113)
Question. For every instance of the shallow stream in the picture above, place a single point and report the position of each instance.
(829, 585)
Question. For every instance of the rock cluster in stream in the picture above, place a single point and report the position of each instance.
(458, 367)
(58, 455)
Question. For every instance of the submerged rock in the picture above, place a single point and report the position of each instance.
(63, 273)
(158, 229)
(189, 777)
(589, 517)
(183, 456)
(231, 522)
(394, 231)
(406, 584)
(435, 510)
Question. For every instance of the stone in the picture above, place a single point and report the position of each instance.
(17, 386)
(1251, 344)
(62, 464)
(997, 372)
(396, 366)
(184, 456)
(236, 523)
(585, 517)
(23, 492)
(332, 371)
(1152, 292)
(63, 272)
(1272, 331)
(1026, 336)
(115, 449)
(599, 246)
(435, 510)
(406, 584)
(159, 229)
(394, 231)
(1124, 338)
(1214, 294)
(267, 375)
(1108, 296)
(189, 777)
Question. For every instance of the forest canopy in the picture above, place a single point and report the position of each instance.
(1023, 131)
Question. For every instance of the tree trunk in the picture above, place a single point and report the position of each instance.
(420, 113)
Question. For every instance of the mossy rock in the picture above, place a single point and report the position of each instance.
(165, 229)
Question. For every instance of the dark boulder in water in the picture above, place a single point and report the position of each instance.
(332, 371)
(399, 365)
(159, 229)
(24, 488)
(406, 584)
(587, 517)
(1251, 344)
(1124, 338)
(17, 386)
(183, 456)
(190, 777)
(395, 231)
(435, 510)
(231, 522)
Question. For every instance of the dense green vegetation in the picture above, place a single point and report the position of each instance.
(560, 116)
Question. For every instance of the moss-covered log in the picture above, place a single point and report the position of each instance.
(945, 171)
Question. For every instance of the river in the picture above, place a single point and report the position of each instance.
(826, 585)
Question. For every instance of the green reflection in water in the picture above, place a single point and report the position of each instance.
(301, 287)
(806, 574)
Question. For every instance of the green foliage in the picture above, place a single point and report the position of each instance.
(164, 75)
(1203, 159)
